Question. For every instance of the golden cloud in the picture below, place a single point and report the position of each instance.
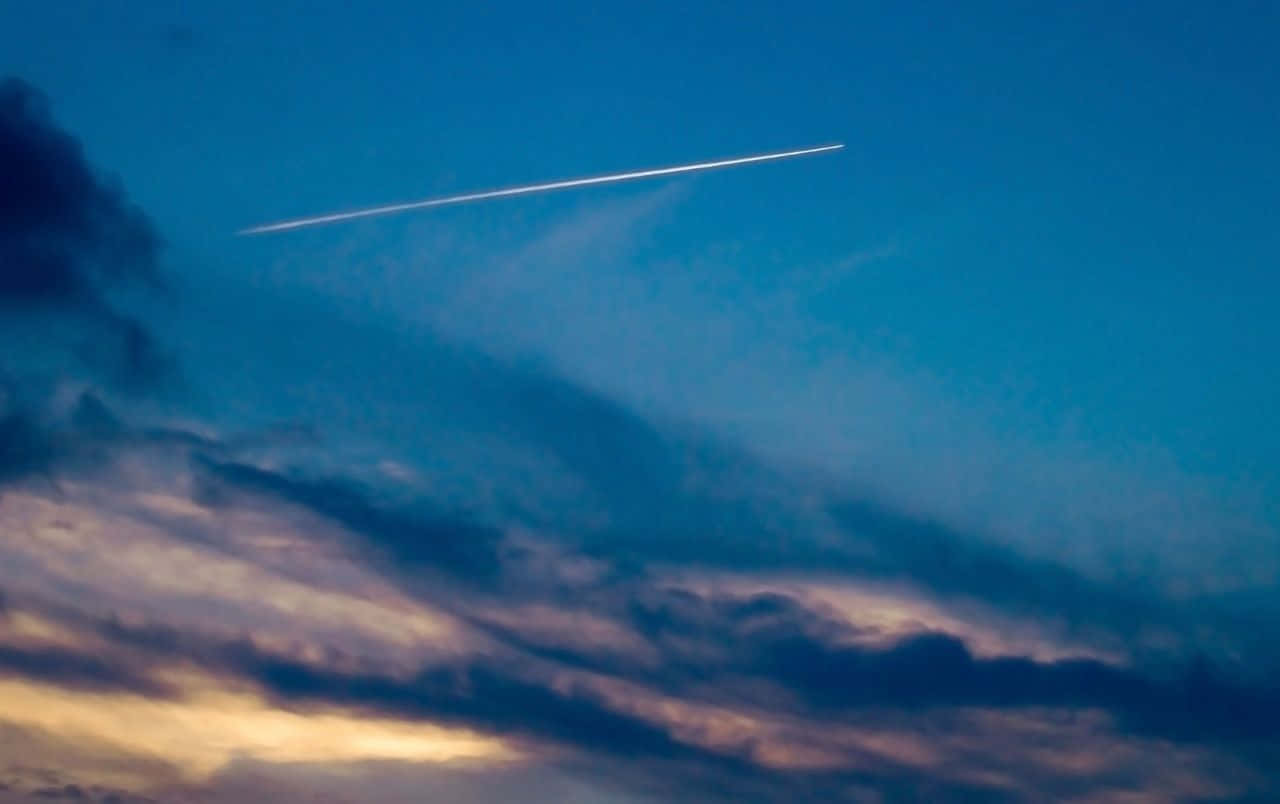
(211, 724)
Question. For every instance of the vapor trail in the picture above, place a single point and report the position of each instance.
(530, 188)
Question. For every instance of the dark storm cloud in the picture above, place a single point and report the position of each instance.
(67, 236)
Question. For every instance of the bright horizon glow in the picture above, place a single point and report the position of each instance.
(531, 188)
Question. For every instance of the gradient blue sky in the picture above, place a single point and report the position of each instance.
(1083, 199)
(1033, 298)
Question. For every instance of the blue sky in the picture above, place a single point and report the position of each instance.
(1031, 302)
(1082, 198)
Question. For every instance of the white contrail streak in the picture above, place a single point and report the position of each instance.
(530, 188)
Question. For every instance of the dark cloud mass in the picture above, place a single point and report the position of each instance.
(411, 539)
(67, 236)
(810, 659)
(65, 233)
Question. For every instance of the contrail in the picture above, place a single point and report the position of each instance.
(530, 188)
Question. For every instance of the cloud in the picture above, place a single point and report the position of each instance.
(25, 447)
(64, 232)
(748, 696)
(37, 438)
(288, 583)
(804, 655)
(68, 237)
(898, 745)
(732, 340)
(205, 729)
(411, 539)
(73, 670)
(687, 662)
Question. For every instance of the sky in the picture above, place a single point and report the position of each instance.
(938, 468)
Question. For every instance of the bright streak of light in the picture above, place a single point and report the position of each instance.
(531, 188)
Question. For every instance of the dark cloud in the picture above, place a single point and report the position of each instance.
(658, 490)
(951, 562)
(936, 670)
(93, 419)
(68, 792)
(668, 495)
(677, 499)
(67, 236)
(76, 670)
(44, 784)
(641, 472)
(411, 539)
(760, 653)
(835, 683)
(34, 443)
(724, 649)
(612, 745)
(64, 232)
(497, 696)
(479, 696)
(26, 448)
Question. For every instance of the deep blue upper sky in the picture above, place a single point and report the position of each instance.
(1083, 199)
